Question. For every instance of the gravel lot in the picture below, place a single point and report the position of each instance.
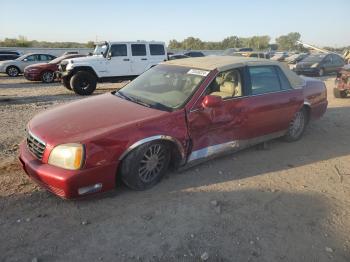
(289, 202)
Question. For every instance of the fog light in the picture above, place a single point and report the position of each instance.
(90, 189)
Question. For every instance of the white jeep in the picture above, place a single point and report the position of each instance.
(110, 62)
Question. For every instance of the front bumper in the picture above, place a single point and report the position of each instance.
(306, 71)
(64, 183)
(32, 76)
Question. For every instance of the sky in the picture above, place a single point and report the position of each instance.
(322, 22)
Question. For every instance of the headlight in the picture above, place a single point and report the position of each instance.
(67, 156)
(314, 65)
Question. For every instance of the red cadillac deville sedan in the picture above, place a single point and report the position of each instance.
(177, 113)
(45, 72)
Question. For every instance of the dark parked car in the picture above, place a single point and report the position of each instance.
(4, 57)
(194, 54)
(8, 55)
(45, 72)
(320, 64)
(173, 57)
(179, 112)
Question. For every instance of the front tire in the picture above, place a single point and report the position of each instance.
(47, 77)
(297, 126)
(146, 165)
(339, 93)
(83, 83)
(321, 72)
(66, 83)
(12, 71)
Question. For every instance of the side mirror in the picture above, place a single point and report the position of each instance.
(210, 101)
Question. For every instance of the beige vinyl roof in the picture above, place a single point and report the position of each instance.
(223, 63)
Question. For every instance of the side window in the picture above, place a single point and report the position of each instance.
(44, 58)
(138, 49)
(156, 49)
(119, 50)
(264, 79)
(285, 84)
(227, 84)
(31, 58)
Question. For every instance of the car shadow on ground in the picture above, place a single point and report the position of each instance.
(249, 225)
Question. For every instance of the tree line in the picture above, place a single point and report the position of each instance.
(283, 42)
(22, 41)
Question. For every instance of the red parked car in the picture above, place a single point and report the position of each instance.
(177, 113)
(45, 72)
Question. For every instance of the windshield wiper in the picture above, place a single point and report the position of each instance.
(132, 99)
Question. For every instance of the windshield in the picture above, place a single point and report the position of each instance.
(58, 59)
(100, 49)
(21, 57)
(164, 87)
(314, 58)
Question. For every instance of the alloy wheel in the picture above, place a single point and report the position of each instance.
(152, 163)
(297, 125)
(48, 77)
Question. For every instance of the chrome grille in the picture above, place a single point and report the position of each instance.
(35, 146)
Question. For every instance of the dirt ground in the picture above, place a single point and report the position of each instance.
(289, 202)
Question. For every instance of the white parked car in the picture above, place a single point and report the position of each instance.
(110, 62)
(15, 67)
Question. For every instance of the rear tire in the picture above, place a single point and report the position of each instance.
(339, 93)
(145, 166)
(297, 126)
(12, 71)
(83, 83)
(48, 77)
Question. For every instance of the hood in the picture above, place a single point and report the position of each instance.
(41, 65)
(89, 117)
(306, 64)
(85, 59)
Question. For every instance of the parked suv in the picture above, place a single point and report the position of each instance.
(111, 62)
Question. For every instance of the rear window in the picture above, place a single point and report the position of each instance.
(138, 49)
(156, 49)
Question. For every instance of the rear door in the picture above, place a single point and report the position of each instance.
(272, 102)
(139, 58)
(119, 62)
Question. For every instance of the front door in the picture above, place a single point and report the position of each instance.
(217, 129)
(29, 60)
(119, 63)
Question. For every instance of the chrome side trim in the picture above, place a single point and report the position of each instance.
(232, 146)
(152, 138)
(211, 150)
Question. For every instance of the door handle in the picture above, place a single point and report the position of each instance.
(144, 59)
(126, 59)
